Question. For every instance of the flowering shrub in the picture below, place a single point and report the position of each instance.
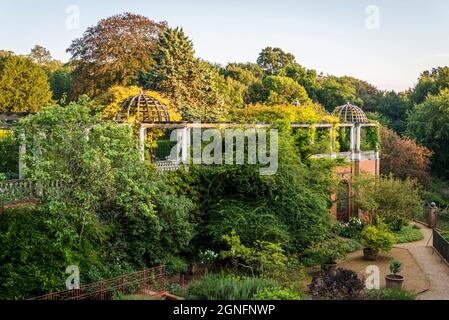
(351, 229)
(207, 257)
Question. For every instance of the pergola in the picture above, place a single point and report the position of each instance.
(151, 114)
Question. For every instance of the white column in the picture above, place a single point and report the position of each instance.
(185, 145)
(358, 154)
(142, 136)
(179, 146)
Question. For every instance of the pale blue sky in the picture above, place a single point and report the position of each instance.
(327, 35)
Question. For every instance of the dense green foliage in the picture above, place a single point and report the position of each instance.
(110, 215)
(390, 294)
(191, 84)
(23, 85)
(228, 287)
(428, 124)
(387, 198)
(408, 234)
(378, 239)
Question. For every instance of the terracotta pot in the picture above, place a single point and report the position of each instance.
(394, 281)
(370, 254)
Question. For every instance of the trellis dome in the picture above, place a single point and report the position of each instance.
(350, 113)
(144, 109)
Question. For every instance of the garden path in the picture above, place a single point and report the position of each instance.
(436, 270)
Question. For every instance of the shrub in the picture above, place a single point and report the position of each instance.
(341, 285)
(174, 265)
(377, 239)
(227, 287)
(395, 267)
(266, 258)
(408, 234)
(390, 294)
(393, 200)
(350, 230)
(326, 252)
(278, 294)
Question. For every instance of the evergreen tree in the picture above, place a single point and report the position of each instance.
(193, 86)
(23, 86)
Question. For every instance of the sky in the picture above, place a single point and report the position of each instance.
(385, 42)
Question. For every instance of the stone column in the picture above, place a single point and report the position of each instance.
(432, 218)
(142, 136)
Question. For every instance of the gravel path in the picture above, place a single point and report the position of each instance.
(436, 270)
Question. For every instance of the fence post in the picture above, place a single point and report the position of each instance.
(431, 219)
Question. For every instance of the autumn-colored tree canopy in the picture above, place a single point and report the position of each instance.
(112, 52)
(404, 158)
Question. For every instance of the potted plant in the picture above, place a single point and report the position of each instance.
(375, 240)
(327, 252)
(394, 280)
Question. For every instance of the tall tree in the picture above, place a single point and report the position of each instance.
(404, 158)
(283, 90)
(366, 92)
(23, 86)
(191, 84)
(305, 77)
(337, 91)
(274, 59)
(430, 82)
(428, 123)
(393, 107)
(112, 52)
(42, 57)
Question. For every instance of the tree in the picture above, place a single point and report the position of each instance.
(272, 60)
(61, 82)
(430, 83)
(404, 158)
(191, 85)
(283, 90)
(112, 52)
(23, 86)
(337, 91)
(305, 77)
(392, 200)
(111, 213)
(393, 107)
(428, 124)
(366, 92)
(42, 57)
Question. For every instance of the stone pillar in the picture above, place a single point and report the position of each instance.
(352, 139)
(142, 136)
(180, 144)
(432, 217)
(185, 152)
